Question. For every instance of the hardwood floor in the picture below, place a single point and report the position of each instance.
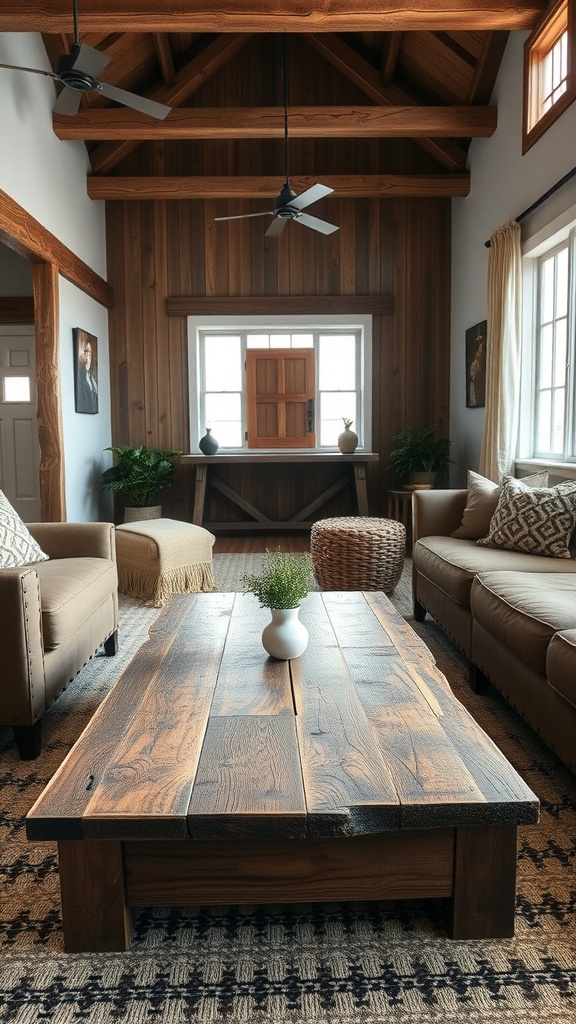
(241, 544)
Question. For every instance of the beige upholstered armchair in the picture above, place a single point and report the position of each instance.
(54, 616)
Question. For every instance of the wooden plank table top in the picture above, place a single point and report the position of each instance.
(214, 774)
(204, 736)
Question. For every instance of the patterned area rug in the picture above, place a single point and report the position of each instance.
(348, 963)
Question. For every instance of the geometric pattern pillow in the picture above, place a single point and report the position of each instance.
(538, 521)
(482, 502)
(17, 545)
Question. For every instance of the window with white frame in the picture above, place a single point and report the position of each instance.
(217, 385)
(550, 350)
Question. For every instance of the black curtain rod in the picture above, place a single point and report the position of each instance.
(542, 199)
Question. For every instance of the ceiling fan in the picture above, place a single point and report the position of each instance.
(78, 71)
(289, 206)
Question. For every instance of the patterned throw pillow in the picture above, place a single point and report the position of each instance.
(538, 521)
(482, 502)
(17, 545)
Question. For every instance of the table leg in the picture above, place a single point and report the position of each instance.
(361, 492)
(94, 912)
(483, 901)
(199, 495)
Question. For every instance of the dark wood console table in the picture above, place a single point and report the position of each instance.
(353, 469)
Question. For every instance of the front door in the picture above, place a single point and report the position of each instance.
(19, 447)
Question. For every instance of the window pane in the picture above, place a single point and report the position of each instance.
(17, 389)
(547, 291)
(546, 350)
(333, 408)
(302, 341)
(562, 283)
(223, 415)
(257, 341)
(558, 422)
(222, 364)
(543, 422)
(337, 362)
(560, 358)
(279, 341)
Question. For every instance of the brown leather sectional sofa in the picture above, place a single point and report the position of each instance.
(513, 615)
(54, 616)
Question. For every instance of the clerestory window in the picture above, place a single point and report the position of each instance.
(549, 71)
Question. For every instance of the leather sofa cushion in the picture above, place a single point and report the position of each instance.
(452, 564)
(524, 610)
(70, 589)
(561, 664)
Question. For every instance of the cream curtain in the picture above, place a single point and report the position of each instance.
(503, 352)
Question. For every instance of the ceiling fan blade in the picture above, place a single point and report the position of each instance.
(311, 195)
(243, 216)
(130, 99)
(277, 227)
(35, 71)
(318, 225)
(68, 102)
(91, 61)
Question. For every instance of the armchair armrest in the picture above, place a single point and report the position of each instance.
(75, 540)
(437, 513)
(22, 690)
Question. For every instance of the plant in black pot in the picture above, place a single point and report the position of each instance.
(418, 456)
(140, 475)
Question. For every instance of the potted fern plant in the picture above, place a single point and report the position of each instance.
(281, 585)
(418, 456)
(140, 475)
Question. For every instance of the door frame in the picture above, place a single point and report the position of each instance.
(50, 258)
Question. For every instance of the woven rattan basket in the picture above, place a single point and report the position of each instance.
(358, 553)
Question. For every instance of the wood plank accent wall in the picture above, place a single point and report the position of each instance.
(394, 248)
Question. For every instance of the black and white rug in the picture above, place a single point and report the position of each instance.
(348, 963)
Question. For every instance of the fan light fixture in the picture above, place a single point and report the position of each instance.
(289, 206)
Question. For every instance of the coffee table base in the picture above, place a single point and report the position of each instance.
(472, 869)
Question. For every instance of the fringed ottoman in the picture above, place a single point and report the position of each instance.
(161, 557)
(358, 553)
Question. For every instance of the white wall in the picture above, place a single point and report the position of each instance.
(503, 184)
(48, 178)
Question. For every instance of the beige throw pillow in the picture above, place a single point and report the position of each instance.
(17, 545)
(537, 521)
(482, 501)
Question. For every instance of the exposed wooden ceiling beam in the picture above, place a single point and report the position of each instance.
(268, 123)
(487, 67)
(192, 77)
(390, 51)
(367, 78)
(271, 16)
(164, 54)
(346, 186)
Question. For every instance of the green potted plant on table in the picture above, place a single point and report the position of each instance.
(140, 475)
(418, 456)
(280, 586)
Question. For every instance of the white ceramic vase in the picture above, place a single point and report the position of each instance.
(285, 636)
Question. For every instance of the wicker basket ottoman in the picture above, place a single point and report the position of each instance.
(358, 553)
(161, 557)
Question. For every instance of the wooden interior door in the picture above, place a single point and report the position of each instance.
(280, 389)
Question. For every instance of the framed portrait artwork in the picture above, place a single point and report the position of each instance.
(476, 365)
(85, 371)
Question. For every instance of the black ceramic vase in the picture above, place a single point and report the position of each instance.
(208, 445)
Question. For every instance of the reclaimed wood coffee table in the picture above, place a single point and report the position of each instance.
(213, 774)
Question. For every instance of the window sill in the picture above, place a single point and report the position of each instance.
(562, 470)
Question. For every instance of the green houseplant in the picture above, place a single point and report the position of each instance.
(283, 582)
(140, 474)
(418, 456)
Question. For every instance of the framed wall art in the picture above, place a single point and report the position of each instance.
(85, 371)
(476, 366)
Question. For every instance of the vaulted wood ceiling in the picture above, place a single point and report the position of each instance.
(422, 72)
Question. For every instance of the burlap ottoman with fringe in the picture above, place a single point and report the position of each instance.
(161, 557)
(358, 553)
